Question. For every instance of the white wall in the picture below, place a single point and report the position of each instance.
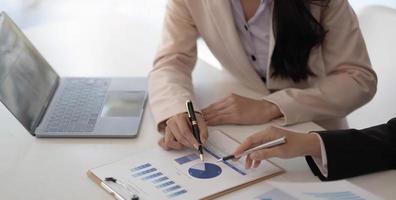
(378, 25)
(359, 4)
(30, 12)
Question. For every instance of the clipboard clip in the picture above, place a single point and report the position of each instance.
(115, 194)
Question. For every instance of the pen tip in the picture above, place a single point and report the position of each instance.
(201, 157)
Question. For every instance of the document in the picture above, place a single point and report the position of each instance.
(343, 190)
(159, 174)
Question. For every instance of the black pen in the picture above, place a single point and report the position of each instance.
(195, 128)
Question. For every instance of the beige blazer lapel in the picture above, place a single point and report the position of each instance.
(221, 15)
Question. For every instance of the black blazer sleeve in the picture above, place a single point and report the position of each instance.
(356, 152)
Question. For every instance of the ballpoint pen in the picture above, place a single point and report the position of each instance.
(195, 128)
(267, 145)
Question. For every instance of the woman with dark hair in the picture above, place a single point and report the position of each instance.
(307, 57)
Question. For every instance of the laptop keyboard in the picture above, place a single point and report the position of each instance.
(79, 106)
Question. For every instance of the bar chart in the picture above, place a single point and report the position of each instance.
(343, 195)
(148, 173)
(275, 194)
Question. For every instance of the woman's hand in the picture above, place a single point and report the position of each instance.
(240, 110)
(297, 144)
(178, 133)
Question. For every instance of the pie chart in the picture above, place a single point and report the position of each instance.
(204, 170)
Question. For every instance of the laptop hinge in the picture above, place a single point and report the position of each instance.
(40, 117)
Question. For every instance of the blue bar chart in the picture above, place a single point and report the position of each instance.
(275, 194)
(147, 172)
(233, 167)
(187, 158)
(343, 195)
(152, 176)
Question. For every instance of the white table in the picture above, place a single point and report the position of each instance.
(112, 45)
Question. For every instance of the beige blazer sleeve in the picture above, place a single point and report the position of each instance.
(348, 81)
(170, 83)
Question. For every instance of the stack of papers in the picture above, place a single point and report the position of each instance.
(338, 190)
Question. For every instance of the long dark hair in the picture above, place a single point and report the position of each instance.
(296, 32)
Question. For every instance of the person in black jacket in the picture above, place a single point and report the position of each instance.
(331, 155)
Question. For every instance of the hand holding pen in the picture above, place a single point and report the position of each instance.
(266, 145)
(178, 133)
(296, 144)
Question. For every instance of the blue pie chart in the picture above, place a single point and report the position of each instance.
(204, 170)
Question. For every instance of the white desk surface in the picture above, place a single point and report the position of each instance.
(40, 169)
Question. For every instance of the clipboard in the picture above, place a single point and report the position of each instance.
(124, 170)
(117, 196)
(104, 186)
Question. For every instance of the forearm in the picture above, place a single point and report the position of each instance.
(170, 83)
(334, 96)
(356, 152)
(167, 94)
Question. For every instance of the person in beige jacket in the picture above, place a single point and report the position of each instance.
(307, 57)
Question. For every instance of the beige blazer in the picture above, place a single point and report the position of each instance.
(345, 80)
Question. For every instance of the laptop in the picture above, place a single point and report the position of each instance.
(50, 106)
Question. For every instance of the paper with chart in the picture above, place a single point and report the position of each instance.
(159, 174)
(342, 190)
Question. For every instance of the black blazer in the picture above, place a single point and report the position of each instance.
(356, 152)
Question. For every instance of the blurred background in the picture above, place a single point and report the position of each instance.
(35, 12)
(59, 27)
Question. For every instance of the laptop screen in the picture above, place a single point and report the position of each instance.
(27, 81)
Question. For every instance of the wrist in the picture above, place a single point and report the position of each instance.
(274, 110)
(312, 142)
